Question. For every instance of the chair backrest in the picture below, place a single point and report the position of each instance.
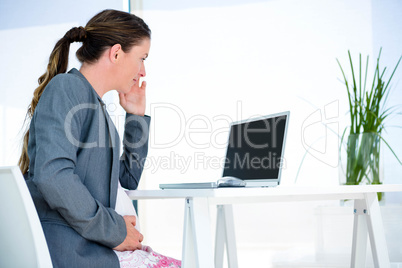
(22, 242)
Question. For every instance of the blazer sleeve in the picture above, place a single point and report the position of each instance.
(135, 150)
(55, 162)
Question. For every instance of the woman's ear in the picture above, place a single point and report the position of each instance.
(115, 52)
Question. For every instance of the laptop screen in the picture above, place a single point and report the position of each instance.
(255, 148)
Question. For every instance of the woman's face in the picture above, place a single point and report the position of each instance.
(131, 66)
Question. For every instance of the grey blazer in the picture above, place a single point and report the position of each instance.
(74, 169)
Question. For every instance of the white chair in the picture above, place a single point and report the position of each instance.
(22, 242)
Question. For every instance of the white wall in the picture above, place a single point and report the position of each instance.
(387, 33)
(268, 56)
(210, 64)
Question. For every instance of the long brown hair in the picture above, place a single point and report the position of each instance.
(104, 30)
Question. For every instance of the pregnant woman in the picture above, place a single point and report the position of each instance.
(71, 157)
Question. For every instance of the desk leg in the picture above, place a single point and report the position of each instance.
(197, 237)
(368, 219)
(359, 245)
(376, 232)
(225, 233)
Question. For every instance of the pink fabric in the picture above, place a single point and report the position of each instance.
(145, 258)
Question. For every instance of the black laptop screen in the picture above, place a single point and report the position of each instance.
(255, 149)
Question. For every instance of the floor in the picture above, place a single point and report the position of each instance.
(296, 256)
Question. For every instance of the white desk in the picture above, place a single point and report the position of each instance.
(197, 237)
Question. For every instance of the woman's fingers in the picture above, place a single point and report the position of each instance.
(134, 101)
(133, 238)
(144, 85)
(141, 237)
(131, 219)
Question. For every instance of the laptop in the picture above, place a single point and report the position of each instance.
(254, 154)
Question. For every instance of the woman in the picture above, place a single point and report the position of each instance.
(71, 156)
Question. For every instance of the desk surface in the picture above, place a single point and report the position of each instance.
(197, 245)
(284, 193)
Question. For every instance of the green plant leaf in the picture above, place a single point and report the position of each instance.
(368, 114)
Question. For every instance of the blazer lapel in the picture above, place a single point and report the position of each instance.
(114, 143)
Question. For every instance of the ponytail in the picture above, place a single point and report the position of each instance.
(58, 62)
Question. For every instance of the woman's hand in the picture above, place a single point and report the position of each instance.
(134, 100)
(133, 239)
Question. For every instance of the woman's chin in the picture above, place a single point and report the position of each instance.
(123, 91)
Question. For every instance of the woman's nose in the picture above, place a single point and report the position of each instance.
(142, 70)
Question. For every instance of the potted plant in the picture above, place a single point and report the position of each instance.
(368, 113)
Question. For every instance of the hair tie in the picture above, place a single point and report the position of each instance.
(76, 34)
